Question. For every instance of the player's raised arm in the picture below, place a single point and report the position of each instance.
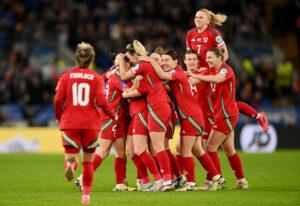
(159, 71)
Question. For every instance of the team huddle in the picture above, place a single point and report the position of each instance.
(134, 107)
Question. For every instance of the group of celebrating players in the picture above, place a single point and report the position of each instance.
(136, 113)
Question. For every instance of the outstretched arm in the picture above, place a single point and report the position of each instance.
(131, 94)
(135, 84)
(161, 74)
(218, 78)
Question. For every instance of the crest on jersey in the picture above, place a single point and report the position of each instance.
(218, 39)
(205, 39)
(193, 40)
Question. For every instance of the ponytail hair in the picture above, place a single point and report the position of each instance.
(219, 52)
(84, 55)
(215, 19)
(136, 47)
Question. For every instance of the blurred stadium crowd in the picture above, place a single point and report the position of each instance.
(38, 38)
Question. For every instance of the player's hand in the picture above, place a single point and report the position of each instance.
(145, 58)
(57, 121)
(125, 95)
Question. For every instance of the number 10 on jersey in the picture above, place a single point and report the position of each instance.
(77, 92)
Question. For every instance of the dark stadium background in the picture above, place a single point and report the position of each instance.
(38, 38)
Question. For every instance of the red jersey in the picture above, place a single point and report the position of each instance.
(76, 94)
(202, 42)
(203, 96)
(114, 92)
(224, 94)
(138, 104)
(156, 91)
(185, 103)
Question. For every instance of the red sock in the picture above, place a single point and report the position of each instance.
(236, 165)
(87, 177)
(189, 167)
(215, 158)
(97, 161)
(141, 169)
(208, 165)
(180, 163)
(164, 164)
(157, 163)
(120, 169)
(174, 164)
(148, 160)
(247, 110)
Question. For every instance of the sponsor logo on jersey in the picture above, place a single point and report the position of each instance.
(205, 39)
(193, 40)
(183, 132)
(218, 39)
(135, 68)
(215, 126)
(199, 39)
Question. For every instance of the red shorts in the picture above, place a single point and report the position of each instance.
(225, 125)
(159, 117)
(140, 124)
(171, 125)
(112, 130)
(74, 139)
(209, 122)
(192, 126)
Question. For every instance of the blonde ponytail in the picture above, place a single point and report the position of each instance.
(215, 19)
(139, 48)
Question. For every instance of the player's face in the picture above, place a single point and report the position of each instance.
(201, 19)
(191, 62)
(168, 63)
(213, 60)
(133, 58)
(156, 58)
(117, 64)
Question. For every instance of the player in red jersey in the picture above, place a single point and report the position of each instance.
(113, 132)
(190, 116)
(201, 94)
(180, 179)
(139, 112)
(158, 106)
(226, 112)
(204, 37)
(78, 93)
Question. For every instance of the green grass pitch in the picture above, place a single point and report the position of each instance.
(28, 179)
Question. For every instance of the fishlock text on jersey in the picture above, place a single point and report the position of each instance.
(81, 76)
